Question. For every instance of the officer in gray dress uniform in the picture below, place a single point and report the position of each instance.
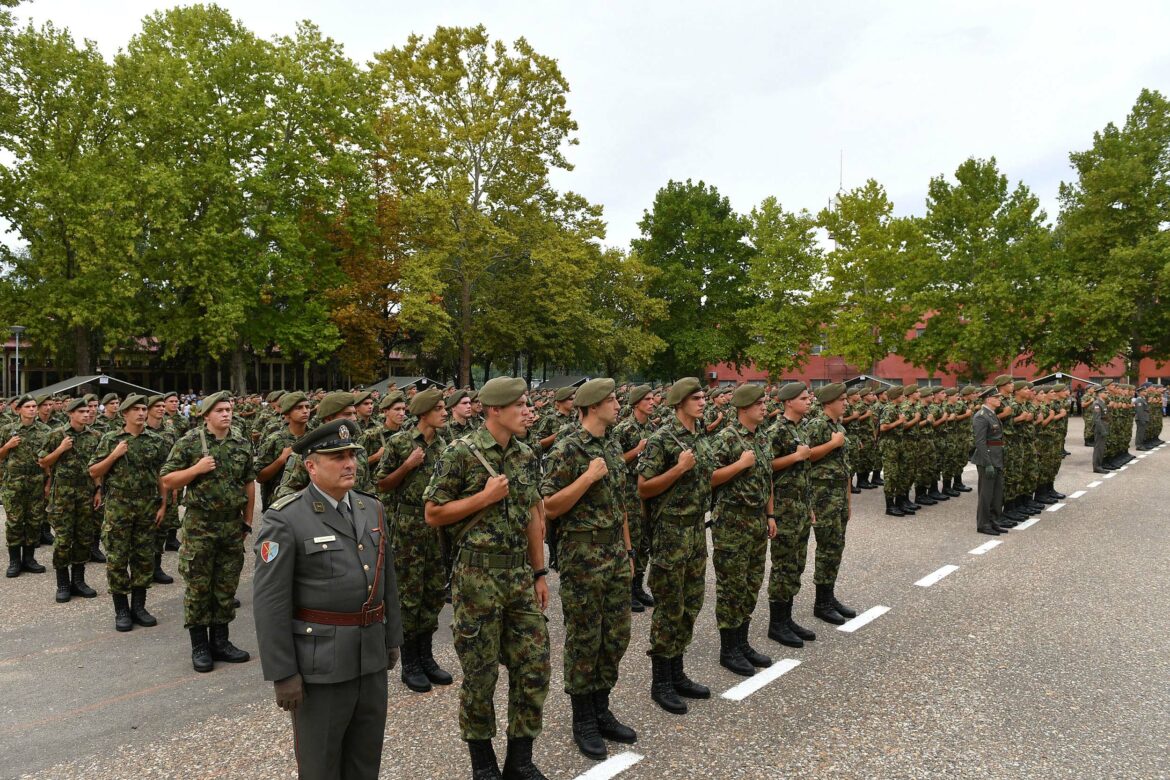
(988, 458)
(326, 608)
(1141, 411)
(1102, 415)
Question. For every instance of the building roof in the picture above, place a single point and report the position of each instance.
(100, 384)
(403, 382)
(565, 380)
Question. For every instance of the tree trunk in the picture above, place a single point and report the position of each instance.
(82, 355)
(239, 373)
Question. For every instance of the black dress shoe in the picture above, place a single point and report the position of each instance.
(1100, 471)
(988, 531)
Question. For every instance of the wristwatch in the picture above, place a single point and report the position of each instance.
(536, 575)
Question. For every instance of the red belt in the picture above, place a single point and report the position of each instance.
(366, 617)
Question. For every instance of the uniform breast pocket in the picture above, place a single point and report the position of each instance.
(322, 559)
(315, 647)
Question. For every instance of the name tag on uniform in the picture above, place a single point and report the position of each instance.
(320, 539)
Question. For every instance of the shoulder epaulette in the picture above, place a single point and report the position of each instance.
(281, 503)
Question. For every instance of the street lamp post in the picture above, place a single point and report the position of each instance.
(18, 329)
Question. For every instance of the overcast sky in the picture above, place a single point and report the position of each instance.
(763, 98)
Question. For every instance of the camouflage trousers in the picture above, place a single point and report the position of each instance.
(739, 551)
(789, 548)
(422, 577)
(498, 620)
(897, 468)
(1019, 466)
(678, 573)
(640, 531)
(595, 599)
(128, 534)
(74, 522)
(24, 505)
(170, 521)
(831, 507)
(1048, 454)
(211, 557)
(927, 463)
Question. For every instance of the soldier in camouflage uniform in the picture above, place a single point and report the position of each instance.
(407, 461)
(484, 491)
(126, 463)
(334, 406)
(674, 477)
(72, 499)
(792, 504)
(552, 422)
(459, 423)
(277, 446)
(108, 418)
(156, 422)
(829, 476)
(743, 523)
(375, 436)
(584, 490)
(24, 486)
(363, 406)
(892, 441)
(632, 434)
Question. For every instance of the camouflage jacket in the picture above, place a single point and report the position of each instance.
(72, 468)
(602, 505)
(628, 433)
(752, 487)
(691, 493)
(791, 482)
(135, 473)
(222, 489)
(835, 465)
(21, 460)
(397, 450)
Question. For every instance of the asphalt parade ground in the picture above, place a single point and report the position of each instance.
(1039, 654)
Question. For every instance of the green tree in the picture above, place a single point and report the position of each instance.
(979, 286)
(695, 241)
(783, 275)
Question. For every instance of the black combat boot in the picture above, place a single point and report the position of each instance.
(957, 484)
(46, 535)
(635, 604)
(221, 647)
(949, 489)
(855, 488)
(1040, 497)
(903, 503)
(95, 552)
(755, 658)
(78, 586)
(662, 689)
(518, 763)
(823, 607)
(484, 765)
(63, 592)
(610, 727)
(863, 481)
(28, 561)
(922, 497)
(426, 659)
(908, 504)
(779, 613)
(640, 592)
(160, 576)
(172, 542)
(1010, 512)
(1052, 491)
(799, 630)
(412, 673)
(585, 732)
(122, 619)
(844, 611)
(730, 657)
(876, 479)
(891, 509)
(201, 658)
(138, 611)
(14, 562)
(685, 686)
(937, 494)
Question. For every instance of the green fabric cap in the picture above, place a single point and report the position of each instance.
(273, 396)
(425, 401)
(502, 390)
(24, 399)
(154, 399)
(132, 400)
(989, 391)
(210, 401)
(394, 397)
(853, 391)
(334, 403)
(333, 436)
(894, 393)
(638, 393)
(682, 389)
(565, 393)
(952, 391)
(75, 404)
(1106, 383)
(830, 393)
(593, 392)
(746, 395)
(108, 397)
(1018, 385)
(1001, 380)
(968, 389)
(790, 391)
(361, 396)
(457, 396)
(289, 400)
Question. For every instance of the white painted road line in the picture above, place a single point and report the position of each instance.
(1123, 468)
(1031, 521)
(870, 615)
(1054, 508)
(760, 679)
(1094, 484)
(935, 576)
(986, 547)
(1111, 475)
(1077, 494)
(970, 467)
(611, 767)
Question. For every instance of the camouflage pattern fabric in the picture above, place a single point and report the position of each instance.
(793, 509)
(296, 476)
(628, 433)
(829, 478)
(24, 483)
(70, 505)
(271, 446)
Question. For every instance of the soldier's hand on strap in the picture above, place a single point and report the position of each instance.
(415, 457)
(120, 449)
(290, 692)
(686, 460)
(597, 470)
(496, 488)
(205, 464)
(747, 459)
(66, 444)
(392, 657)
(13, 442)
(837, 440)
(804, 451)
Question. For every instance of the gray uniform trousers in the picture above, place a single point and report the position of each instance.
(990, 497)
(339, 728)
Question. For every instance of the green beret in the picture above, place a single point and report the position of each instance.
(171, 394)
(334, 403)
(968, 389)
(393, 397)
(456, 397)
(1001, 380)
(75, 404)
(638, 393)
(275, 394)
(830, 393)
(361, 396)
(894, 393)
(425, 401)
(154, 399)
(952, 391)
(593, 392)
(790, 391)
(23, 399)
(132, 400)
(335, 436)
(109, 397)
(1106, 383)
(473, 395)
(289, 400)
(43, 399)
(502, 390)
(210, 401)
(852, 391)
(746, 395)
(1018, 385)
(987, 392)
(682, 389)
(564, 394)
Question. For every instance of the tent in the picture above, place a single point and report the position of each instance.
(98, 384)
(403, 382)
(1060, 376)
(566, 380)
(867, 378)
